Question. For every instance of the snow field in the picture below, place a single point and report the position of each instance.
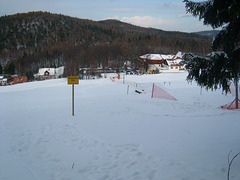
(115, 135)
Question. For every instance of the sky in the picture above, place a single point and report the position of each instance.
(169, 15)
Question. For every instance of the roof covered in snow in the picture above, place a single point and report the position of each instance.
(156, 56)
(51, 71)
(173, 62)
(179, 55)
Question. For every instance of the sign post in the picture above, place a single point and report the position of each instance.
(73, 80)
(73, 99)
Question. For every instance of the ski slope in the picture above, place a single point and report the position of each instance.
(116, 133)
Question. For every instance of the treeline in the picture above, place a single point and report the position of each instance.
(32, 40)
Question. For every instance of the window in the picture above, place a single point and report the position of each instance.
(46, 73)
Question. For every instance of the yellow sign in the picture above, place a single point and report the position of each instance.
(73, 80)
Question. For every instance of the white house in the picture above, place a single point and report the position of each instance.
(49, 73)
(163, 63)
(3, 80)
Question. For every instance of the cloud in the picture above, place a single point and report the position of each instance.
(150, 22)
(164, 24)
(184, 15)
(147, 21)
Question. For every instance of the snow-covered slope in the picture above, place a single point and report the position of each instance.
(115, 135)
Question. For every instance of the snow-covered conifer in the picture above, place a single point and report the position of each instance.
(218, 68)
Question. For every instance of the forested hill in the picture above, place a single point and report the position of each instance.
(41, 39)
(211, 33)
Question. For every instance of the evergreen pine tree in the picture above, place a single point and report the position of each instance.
(218, 68)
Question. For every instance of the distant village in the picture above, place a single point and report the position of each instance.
(149, 63)
(160, 63)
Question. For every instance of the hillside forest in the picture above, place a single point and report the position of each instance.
(33, 40)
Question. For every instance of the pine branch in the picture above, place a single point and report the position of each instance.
(230, 163)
